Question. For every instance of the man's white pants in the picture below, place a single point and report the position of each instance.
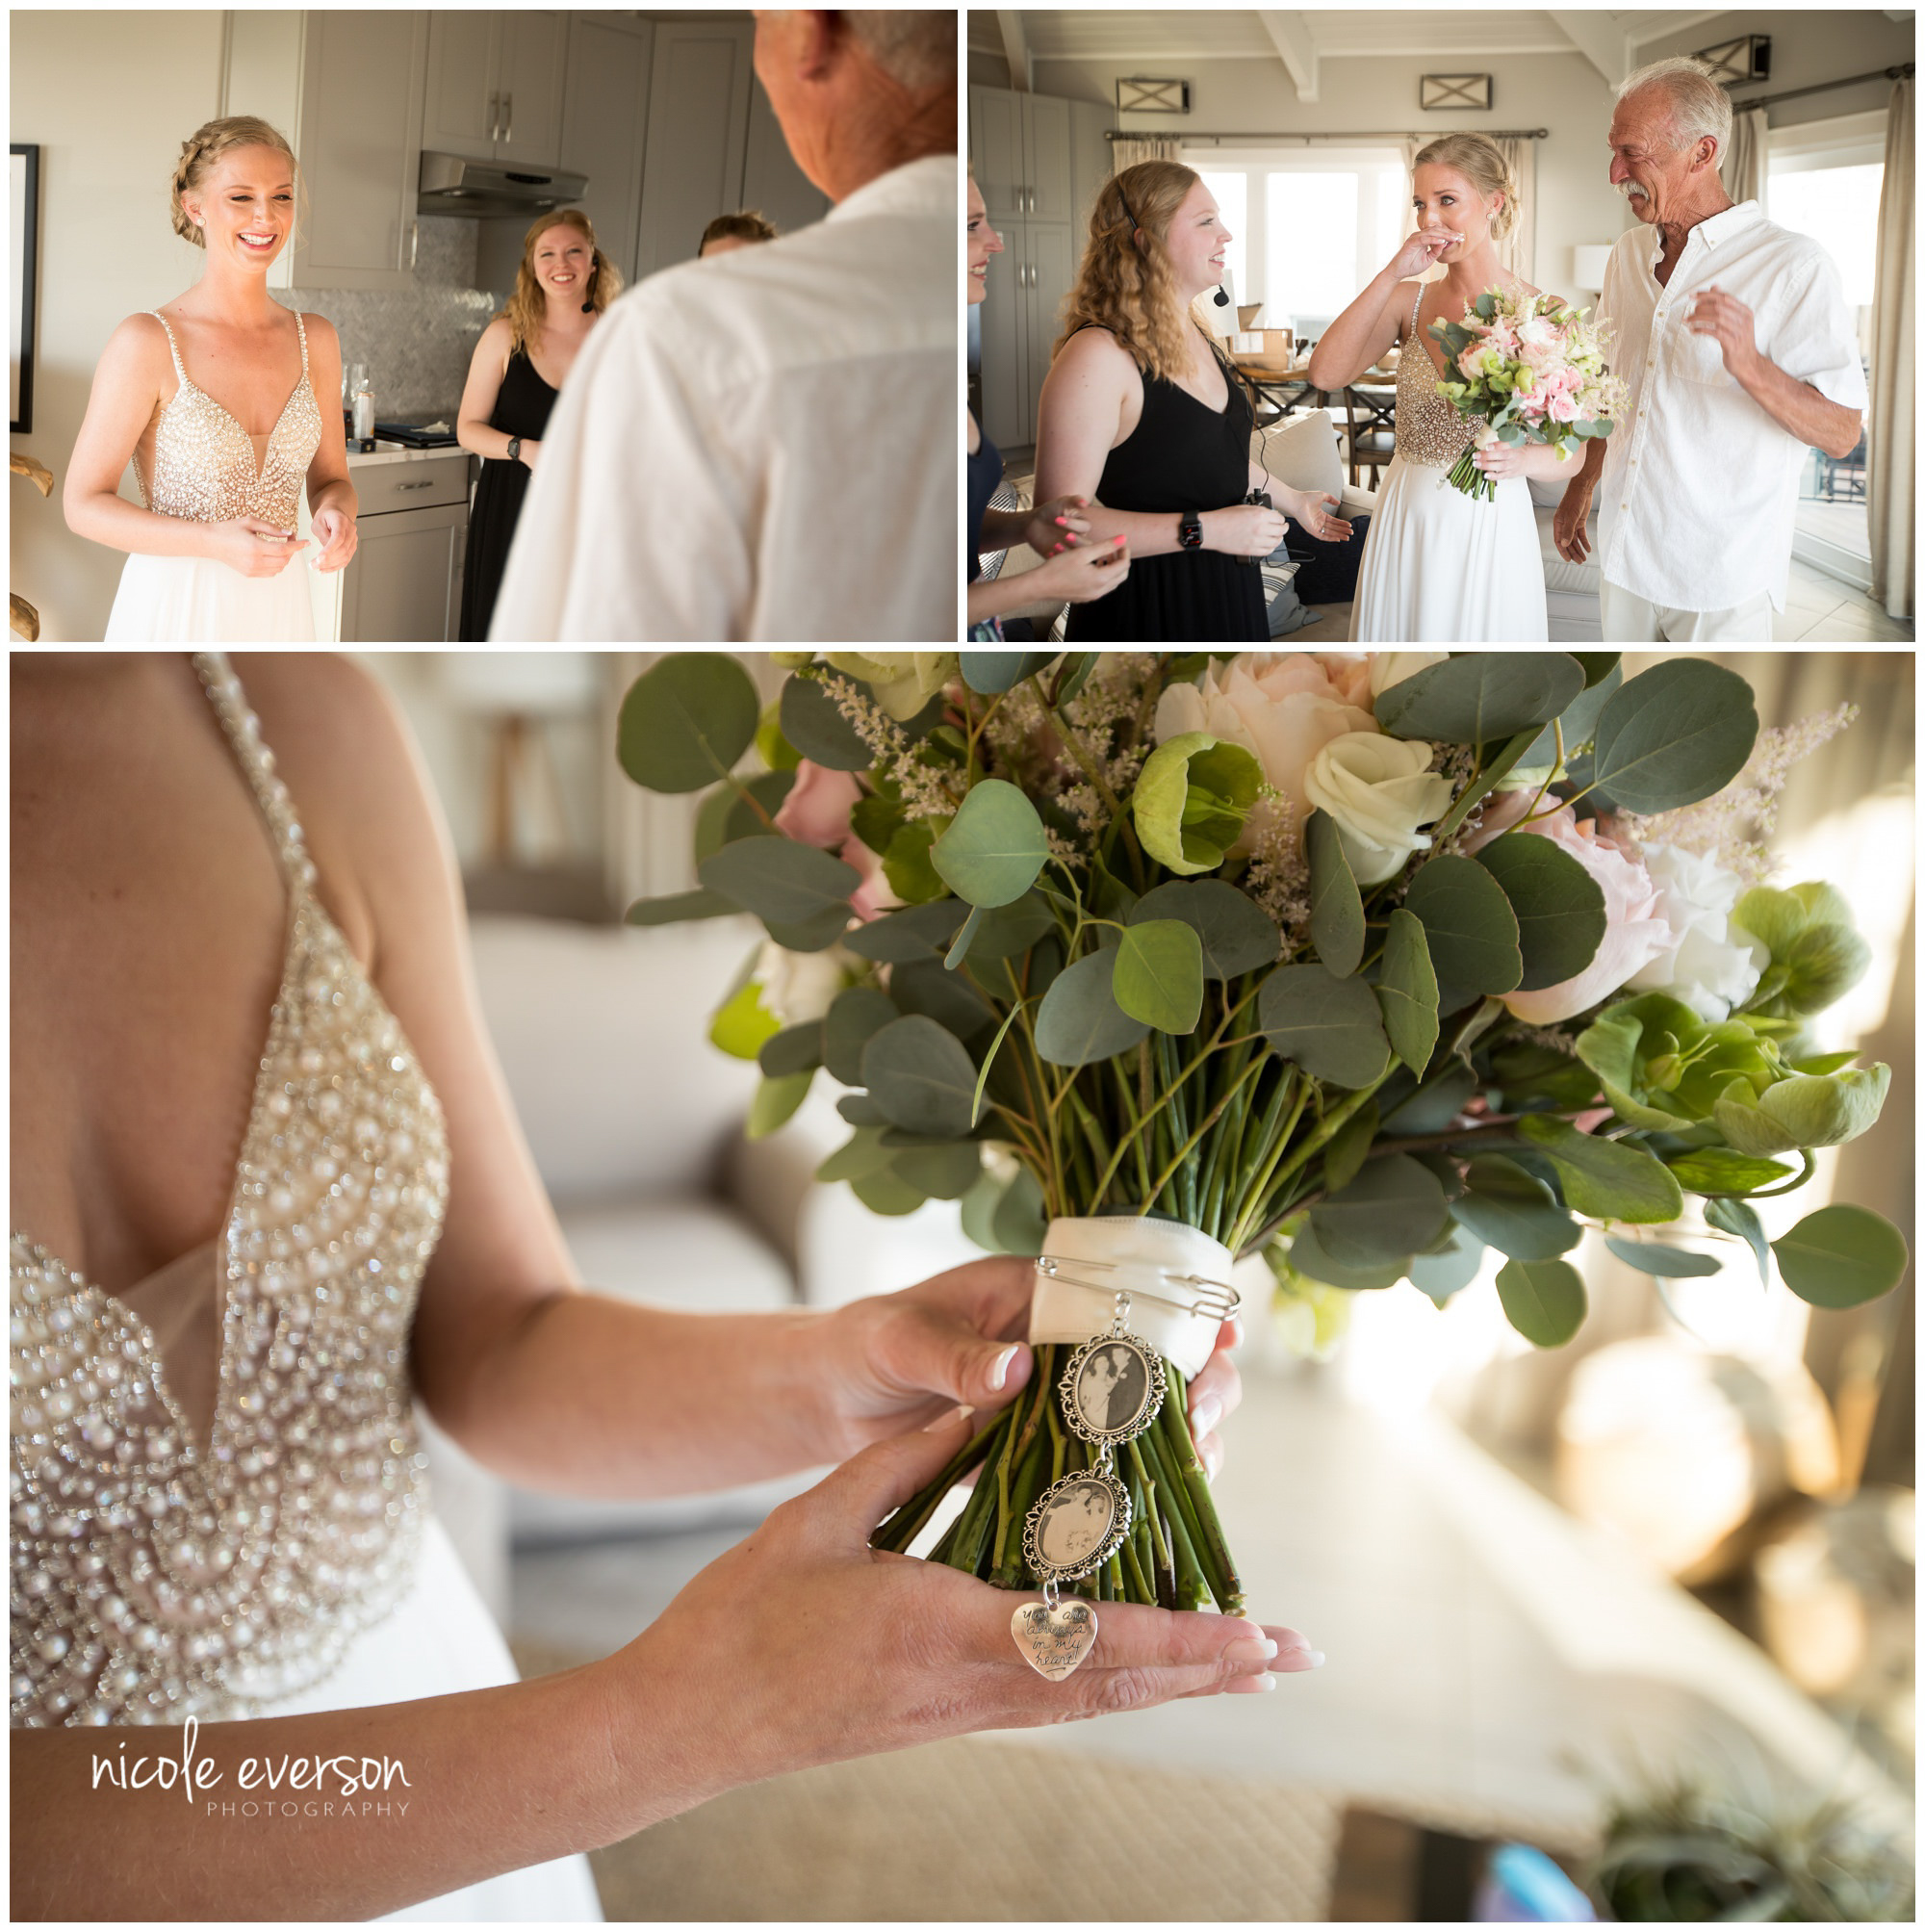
(1629, 620)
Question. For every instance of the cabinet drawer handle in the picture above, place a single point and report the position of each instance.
(426, 483)
(494, 117)
(508, 114)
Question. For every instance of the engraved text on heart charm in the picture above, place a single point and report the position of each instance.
(1054, 1639)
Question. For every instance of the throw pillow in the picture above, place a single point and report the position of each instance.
(1303, 452)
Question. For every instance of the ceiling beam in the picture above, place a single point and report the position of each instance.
(1656, 26)
(1597, 38)
(1289, 35)
(1016, 49)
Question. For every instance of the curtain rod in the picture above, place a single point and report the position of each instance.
(1903, 72)
(1263, 140)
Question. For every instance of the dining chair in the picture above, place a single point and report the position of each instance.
(1370, 430)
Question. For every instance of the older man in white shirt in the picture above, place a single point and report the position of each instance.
(763, 447)
(1733, 338)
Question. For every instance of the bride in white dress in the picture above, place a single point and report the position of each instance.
(1439, 567)
(224, 401)
(266, 1193)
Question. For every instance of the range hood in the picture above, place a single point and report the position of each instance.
(450, 185)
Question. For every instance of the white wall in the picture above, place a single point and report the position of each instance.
(1562, 92)
(109, 104)
(1807, 48)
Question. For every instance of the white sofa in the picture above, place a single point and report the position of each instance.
(1571, 590)
(635, 1122)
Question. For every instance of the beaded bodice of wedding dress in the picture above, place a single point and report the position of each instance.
(159, 1571)
(1428, 431)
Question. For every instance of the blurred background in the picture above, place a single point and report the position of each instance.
(1547, 1584)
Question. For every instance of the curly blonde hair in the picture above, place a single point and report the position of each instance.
(204, 147)
(527, 305)
(1481, 161)
(1125, 286)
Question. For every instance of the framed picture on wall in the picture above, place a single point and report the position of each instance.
(23, 230)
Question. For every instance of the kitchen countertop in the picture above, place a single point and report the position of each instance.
(399, 453)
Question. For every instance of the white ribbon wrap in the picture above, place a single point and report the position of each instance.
(1140, 1257)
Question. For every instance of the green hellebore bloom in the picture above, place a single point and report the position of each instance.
(903, 680)
(1816, 953)
(1805, 1111)
(1663, 1067)
(1192, 798)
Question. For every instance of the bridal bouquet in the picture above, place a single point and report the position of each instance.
(1533, 372)
(1364, 964)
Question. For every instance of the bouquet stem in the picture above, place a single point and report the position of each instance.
(1470, 479)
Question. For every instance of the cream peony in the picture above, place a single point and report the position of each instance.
(1393, 667)
(1636, 929)
(1378, 790)
(1715, 964)
(798, 986)
(1282, 707)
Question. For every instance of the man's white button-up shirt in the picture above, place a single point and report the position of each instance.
(1700, 485)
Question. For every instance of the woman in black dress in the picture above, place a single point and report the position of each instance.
(519, 364)
(1140, 414)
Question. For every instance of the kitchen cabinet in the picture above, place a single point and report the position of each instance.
(1026, 149)
(404, 584)
(347, 87)
(692, 167)
(604, 122)
(494, 86)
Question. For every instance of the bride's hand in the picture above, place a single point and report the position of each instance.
(336, 532)
(1420, 253)
(802, 1646)
(252, 546)
(890, 1361)
(1499, 460)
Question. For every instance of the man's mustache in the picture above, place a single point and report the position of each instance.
(1631, 191)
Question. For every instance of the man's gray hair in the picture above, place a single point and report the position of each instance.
(1699, 108)
(916, 48)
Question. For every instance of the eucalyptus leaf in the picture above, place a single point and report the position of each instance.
(774, 1101)
(859, 1111)
(994, 846)
(943, 1173)
(1479, 696)
(1652, 1258)
(1080, 1020)
(795, 1049)
(778, 880)
(686, 720)
(856, 1015)
(958, 947)
(1559, 906)
(988, 672)
(920, 1076)
(674, 907)
(1158, 976)
(1841, 1256)
(757, 802)
(1308, 1256)
(1236, 934)
(1514, 1212)
(1468, 923)
(1715, 1172)
(1394, 1207)
(1611, 1179)
(907, 867)
(1018, 1222)
(1330, 1027)
(818, 731)
(1408, 991)
(1347, 1148)
(1673, 735)
(925, 987)
(861, 1153)
(1442, 1275)
(815, 934)
(1740, 1218)
(1432, 1106)
(1006, 931)
(886, 1193)
(1580, 716)
(1336, 905)
(913, 933)
(1544, 1300)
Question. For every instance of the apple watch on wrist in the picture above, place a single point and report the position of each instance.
(1190, 531)
(514, 448)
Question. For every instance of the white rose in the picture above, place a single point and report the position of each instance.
(1378, 790)
(1393, 667)
(1281, 709)
(798, 986)
(1715, 964)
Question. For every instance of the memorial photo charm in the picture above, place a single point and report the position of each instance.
(1054, 1637)
(1111, 1388)
(1077, 1525)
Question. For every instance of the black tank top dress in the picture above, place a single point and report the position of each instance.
(520, 409)
(1184, 457)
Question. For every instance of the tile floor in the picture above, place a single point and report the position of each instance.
(1821, 609)
(1480, 1642)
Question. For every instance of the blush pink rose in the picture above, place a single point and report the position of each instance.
(816, 810)
(1501, 811)
(1562, 409)
(872, 897)
(1636, 931)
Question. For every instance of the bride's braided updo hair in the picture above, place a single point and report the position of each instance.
(205, 146)
(1481, 161)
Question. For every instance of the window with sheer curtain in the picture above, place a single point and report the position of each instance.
(1311, 225)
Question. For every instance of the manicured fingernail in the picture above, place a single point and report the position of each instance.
(1115, 540)
(1263, 1683)
(999, 1369)
(1302, 1660)
(1251, 1650)
(1062, 520)
(1205, 1416)
(949, 1419)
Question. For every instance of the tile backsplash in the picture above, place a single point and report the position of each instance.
(417, 342)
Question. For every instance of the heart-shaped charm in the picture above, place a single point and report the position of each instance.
(1054, 1640)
